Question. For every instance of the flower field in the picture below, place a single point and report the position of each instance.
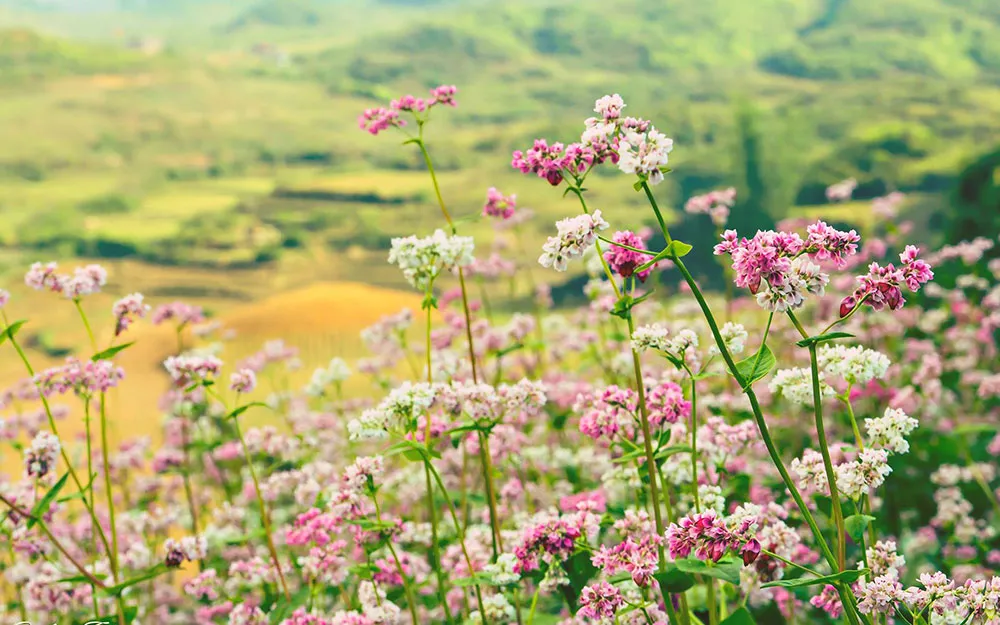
(815, 442)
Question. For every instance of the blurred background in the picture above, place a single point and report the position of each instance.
(208, 150)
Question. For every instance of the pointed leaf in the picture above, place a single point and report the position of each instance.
(673, 580)
(11, 330)
(739, 617)
(726, 570)
(111, 351)
(666, 452)
(241, 409)
(856, 525)
(823, 338)
(151, 573)
(844, 576)
(677, 249)
(45, 502)
(756, 366)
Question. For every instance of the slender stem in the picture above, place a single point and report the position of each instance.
(55, 542)
(186, 478)
(487, 462)
(459, 529)
(399, 566)
(627, 247)
(55, 431)
(824, 448)
(435, 556)
(265, 519)
(694, 440)
(597, 244)
(534, 604)
(107, 486)
(86, 324)
(771, 554)
(866, 504)
(656, 209)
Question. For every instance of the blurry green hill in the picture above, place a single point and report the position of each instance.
(226, 116)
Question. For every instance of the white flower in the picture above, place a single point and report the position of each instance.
(334, 373)
(890, 430)
(803, 277)
(502, 572)
(795, 385)
(575, 234)
(371, 425)
(654, 336)
(734, 335)
(644, 153)
(423, 259)
(856, 365)
(497, 610)
(859, 476)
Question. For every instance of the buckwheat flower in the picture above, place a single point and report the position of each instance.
(829, 244)
(41, 457)
(180, 312)
(84, 378)
(496, 609)
(982, 597)
(409, 103)
(406, 403)
(795, 385)
(654, 336)
(502, 571)
(4, 298)
(856, 365)
(889, 431)
(375, 120)
(841, 191)
(859, 476)
(128, 309)
(44, 277)
(575, 234)
(666, 404)
(189, 548)
(499, 205)
(625, 261)
(544, 160)
(204, 586)
(301, 617)
(336, 372)
(880, 596)
(639, 558)
(880, 287)
(85, 281)
(371, 425)
(444, 94)
(884, 561)
(185, 369)
(243, 381)
(247, 614)
(734, 335)
(422, 260)
(606, 413)
(644, 153)
(829, 601)
(600, 602)
(715, 204)
(609, 107)
(885, 207)
(709, 538)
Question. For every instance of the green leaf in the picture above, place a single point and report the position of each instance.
(241, 409)
(823, 338)
(111, 351)
(80, 494)
(11, 330)
(856, 525)
(726, 570)
(45, 502)
(844, 576)
(476, 580)
(678, 249)
(412, 450)
(666, 452)
(756, 366)
(674, 580)
(638, 184)
(974, 428)
(623, 307)
(151, 573)
(739, 617)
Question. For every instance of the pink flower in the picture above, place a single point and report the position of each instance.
(243, 381)
(667, 404)
(600, 601)
(639, 559)
(444, 94)
(179, 311)
(375, 120)
(624, 261)
(499, 205)
(880, 287)
(126, 310)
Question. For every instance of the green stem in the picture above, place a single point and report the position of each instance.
(399, 566)
(459, 530)
(107, 486)
(435, 555)
(824, 448)
(265, 519)
(487, 462)
(656, 209)
(694, 440)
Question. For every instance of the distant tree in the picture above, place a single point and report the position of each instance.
(976, 200)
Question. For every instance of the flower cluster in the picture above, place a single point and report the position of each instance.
(422, 260)
(499, 205)
(575, 235)
(881, 286)
(709, 537)
(623, 260)
(715, 204)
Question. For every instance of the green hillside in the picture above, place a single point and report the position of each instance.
(255, 100)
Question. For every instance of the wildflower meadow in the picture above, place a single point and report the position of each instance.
(814, 442)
